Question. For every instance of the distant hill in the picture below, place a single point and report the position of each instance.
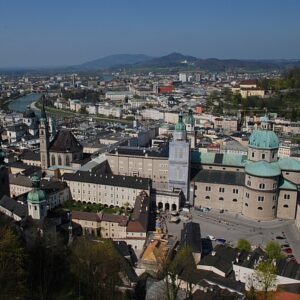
(113, 60)
(180, 61)
(172, 62)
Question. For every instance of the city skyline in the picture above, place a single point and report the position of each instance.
(61, 34)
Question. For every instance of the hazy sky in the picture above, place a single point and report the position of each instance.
(63, 32)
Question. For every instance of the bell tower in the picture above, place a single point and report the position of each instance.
(36, 199)
(179, 159)
(44, 140)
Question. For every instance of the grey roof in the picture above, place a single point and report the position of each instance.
(191, 236)
(220, 177)
(108, 179)
(135, 151)
(17, 127)
(20, 179)
(13, 206)
(30, 155)
(214, 292)
(288, 269)
(64, 141)
(217, 261)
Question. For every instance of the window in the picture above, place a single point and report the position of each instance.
(274, 197)
(59, 160)
(273, 155)
(207, 188)
(67, 160)
(52, 160)
(261, 198)
(263, 156)
(234, 200)
(286, 196)
(285, 206)
(260, 208)
(221, 199)
(246, 204)
(221, 190)
(262, 186)
(235, 191)
(207, 197)
(252, 154)
(274, 185)
(249, 182)
(247, 195)
(273, 207)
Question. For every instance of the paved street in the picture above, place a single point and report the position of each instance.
(232, 227)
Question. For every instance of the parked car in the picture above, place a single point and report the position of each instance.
(221, 241)
(211, 237)
(175, 219)
(288, 250)
(186, 208)
(279, 237)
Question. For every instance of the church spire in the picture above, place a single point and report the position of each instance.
(43, 112)
(44, 139)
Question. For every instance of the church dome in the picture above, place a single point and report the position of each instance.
(263, 169)
(264, 139)
(189, 119)
(36, 195)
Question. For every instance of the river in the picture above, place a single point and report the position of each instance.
(20, 104)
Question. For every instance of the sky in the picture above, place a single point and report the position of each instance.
(67, 32)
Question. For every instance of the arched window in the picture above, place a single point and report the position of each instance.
(234, 200)
(53, 160)
(285, 206)
(207, 197)
(59, 160)
(246, 204)
(259, 208)
(221, 198)
(67, 160)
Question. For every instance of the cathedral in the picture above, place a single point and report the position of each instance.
(62, 150)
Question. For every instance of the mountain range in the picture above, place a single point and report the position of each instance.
(172, 61)
(180, 61)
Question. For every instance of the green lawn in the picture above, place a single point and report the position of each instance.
(95, 208)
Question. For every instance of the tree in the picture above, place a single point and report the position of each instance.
(12, 265)
(265, 274)
(47, 266)
(273, 251)
(182, 262)
(95, 266)
(243, 245)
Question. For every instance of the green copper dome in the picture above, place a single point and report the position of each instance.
(189, 119)
(36, 195)
(180, 126)
(263, 169)
(264, 139)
